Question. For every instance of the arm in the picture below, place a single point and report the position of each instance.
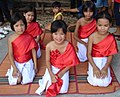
(48, 64)
(70, 10)
(37, 38)
(78, 24)
(96, 70)
(34, 59)
(10, 54)
(104, 71)
(61, 73)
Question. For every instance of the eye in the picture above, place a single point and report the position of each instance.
(16, 25)
(22, 25)
(99, 25)
(55, 33)
(28, 14)
(106, 25)
(62, 33)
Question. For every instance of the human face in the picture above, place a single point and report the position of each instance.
(56, 10)
(19, 27)
(29, 16)
(59, 36)
(88, 14)
(103, 26)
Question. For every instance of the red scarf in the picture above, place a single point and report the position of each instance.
(105, 47)
(22, 47)
(86, 30)
(68, 58)
(34, 29)
(118, 1)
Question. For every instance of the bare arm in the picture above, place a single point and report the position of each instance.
(78, 24)
(96, 70)
(48, 64)
(34, 55)
(10, 54)
(63, 71)
(104, 71)
(70, 10)
(37, 38)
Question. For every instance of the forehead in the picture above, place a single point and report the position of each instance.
(60, 30)
(103, 21)
(30, 13)
(19, 22)
(88, 9)
(55, 7)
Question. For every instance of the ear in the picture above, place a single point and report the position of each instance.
(110, 24)
(24, 14)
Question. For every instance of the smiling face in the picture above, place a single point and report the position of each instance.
(19, 27)
(103, 25)
(59, 36)
(29, 16)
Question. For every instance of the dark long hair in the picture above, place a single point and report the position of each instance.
(30, 8)
(88, 5)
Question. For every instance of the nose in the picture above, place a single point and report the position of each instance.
(103, 27)
(88, 13)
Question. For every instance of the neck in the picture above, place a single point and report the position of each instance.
(88, 19)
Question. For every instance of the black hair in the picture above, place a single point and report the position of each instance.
(30, 8)
(104, 14)
(88, 5)
(56, 4)
(15, 18)
(58, 24)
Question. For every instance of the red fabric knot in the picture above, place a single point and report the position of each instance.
(55, 54)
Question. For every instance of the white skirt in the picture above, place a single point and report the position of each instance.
(38, 51)
(100, 62)
(27, 71)
(82, 50)
(45, 82)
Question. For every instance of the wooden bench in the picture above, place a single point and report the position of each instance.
(45, 3)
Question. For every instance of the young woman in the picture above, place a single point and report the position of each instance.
(85, 26)
(101, 48)
(22, 53)
(57, 61)
(33, 27)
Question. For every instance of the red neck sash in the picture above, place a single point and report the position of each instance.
(86, 30)
(68, 58)
(34, 29)
(105, 47)
(22, 47)
(117, 1)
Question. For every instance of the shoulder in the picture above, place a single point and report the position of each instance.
(80, 20)
(49, 45)
(92, 35)
(111, 36)
(28, 36)
(35, 23)
(11, 38)
(70, 45)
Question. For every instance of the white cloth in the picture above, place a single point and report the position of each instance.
(27, 71)
(12, 80)
(45, 82)
(100, 63)
(82, 50)
(38, 51)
